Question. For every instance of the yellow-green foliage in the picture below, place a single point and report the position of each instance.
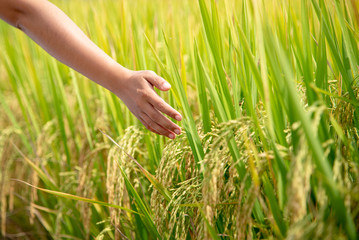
(270, 147)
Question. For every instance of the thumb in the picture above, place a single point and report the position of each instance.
(158, 82)
(165, 86)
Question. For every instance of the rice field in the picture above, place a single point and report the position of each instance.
(269, 93)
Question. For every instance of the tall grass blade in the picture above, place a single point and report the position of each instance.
(77, 198)
(156, 184)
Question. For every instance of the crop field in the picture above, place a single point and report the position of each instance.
(269, 94)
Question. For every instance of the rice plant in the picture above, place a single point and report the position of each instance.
(269, 94)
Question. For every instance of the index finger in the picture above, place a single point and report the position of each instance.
(165, 108)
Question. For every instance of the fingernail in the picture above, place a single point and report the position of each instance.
(171, 136)
(178, 117)
(177, 131)
(166, 85)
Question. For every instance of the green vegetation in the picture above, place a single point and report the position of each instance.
(269, 92)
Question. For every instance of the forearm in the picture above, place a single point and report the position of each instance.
(58, 35)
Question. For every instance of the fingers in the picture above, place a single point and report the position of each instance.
(160, 119)
(147, 125)
(156, 101)
(151, 106)
(164, 107)
(157, 81)
(155, 127)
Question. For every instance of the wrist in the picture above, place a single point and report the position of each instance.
(118, 77)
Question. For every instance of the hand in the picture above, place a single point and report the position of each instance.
(137, 92)
(52, 29)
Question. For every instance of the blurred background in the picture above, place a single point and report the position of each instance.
(269, 95)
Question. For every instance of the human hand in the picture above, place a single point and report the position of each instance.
(137, 92)
(58, 35)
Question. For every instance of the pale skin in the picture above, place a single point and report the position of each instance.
(55, 32)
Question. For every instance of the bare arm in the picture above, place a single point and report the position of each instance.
(49, 27)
